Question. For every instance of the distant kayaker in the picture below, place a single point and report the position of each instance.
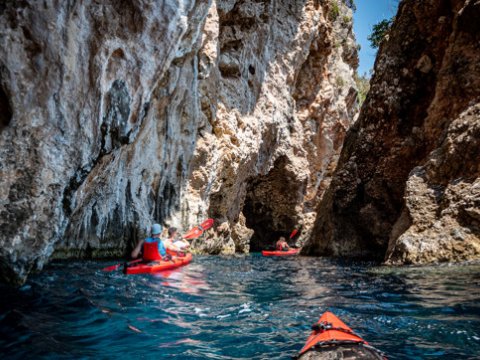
(172, 239)
(282, 244)
(153, 247)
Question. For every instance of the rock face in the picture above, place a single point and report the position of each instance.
(252, 170)
(116, 114)
(407, 185)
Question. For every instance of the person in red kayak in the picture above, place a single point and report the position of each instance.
(181, 244)
(153, 247)
(282, 244)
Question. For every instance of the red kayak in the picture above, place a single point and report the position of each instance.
(280, 253)
(331, 338)
(157, 266)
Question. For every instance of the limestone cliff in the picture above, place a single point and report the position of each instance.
(281, 75)
(407, 185)
(115, 114)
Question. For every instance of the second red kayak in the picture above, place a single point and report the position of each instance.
(157, 266)
(331, 338)
(280, 253)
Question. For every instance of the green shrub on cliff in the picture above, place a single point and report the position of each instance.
(346, 20)
(334, 10)
(380, 32)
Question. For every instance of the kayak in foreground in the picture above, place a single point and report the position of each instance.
(280, 253)
(157, 266)
(332, 339)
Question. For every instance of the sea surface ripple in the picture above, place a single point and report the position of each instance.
(239, 307)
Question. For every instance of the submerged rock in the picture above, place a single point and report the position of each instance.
(407, 186)
(117, 114)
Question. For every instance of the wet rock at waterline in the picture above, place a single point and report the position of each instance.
(407, 185)
(117, 114)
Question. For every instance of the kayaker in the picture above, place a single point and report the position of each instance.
(150, 246)
(182, 244)
(282, 244)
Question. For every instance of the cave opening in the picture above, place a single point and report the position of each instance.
(5, 110)
(270, 207)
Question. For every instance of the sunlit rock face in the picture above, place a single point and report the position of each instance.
(407, 188)
(118, 114)
(278, 95)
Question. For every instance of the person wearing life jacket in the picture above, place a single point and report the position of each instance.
(182, 244)
(282, 244)
(152, 247)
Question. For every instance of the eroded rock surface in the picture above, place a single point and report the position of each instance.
(272, 99)
(442, 200)
(115, 114)
(407, 185)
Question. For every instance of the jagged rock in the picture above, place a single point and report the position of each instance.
(406, 186)
(442, 199)
(116, 114)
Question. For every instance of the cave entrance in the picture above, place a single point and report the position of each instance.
(271, 203)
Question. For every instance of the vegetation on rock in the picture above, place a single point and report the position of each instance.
(380, 32)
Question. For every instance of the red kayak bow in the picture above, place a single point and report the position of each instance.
(331, 336)
(197, 231)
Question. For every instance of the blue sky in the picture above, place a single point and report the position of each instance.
(370, 12)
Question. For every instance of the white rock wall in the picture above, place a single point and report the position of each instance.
(116, 114)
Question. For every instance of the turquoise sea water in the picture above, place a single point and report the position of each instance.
(245, 307)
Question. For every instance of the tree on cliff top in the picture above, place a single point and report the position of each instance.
(380, 32)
